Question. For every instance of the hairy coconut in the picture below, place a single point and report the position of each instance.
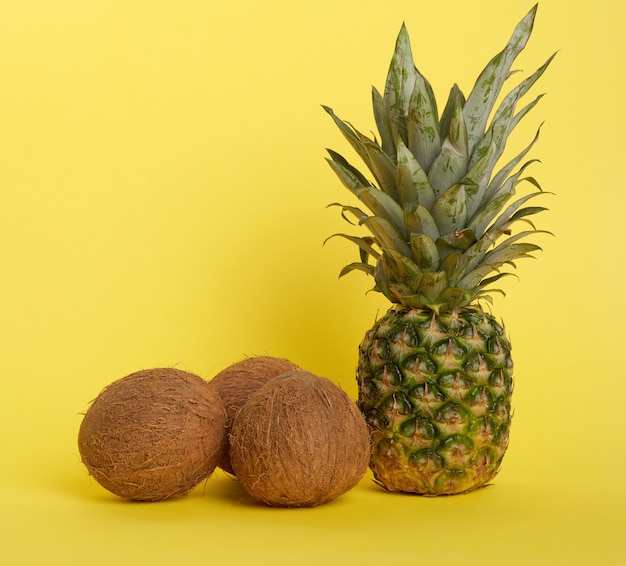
(238, 381)
(299, 441)
(154, 434)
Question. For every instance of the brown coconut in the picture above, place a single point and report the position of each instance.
(240, 380)
(299, 441)
(154, 434)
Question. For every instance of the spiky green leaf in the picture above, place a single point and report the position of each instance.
(381, 166)
(450, 211)
(481, 100)
(424, 139)
(365, 244)
(506, 253)
(341, 160)
(379, 203)
(351, 178)
(433, 284)
(364, 267)
(419, 220)
(382, 124)
(527, 211)
(499, 179)
(358, 214)
(472, 279)
(350, 135)
(411, 180)
(386, 235)
(477, 178)
(424, 252)
(383, 206)
(481, 221)
(505, 119)
(450, 166)
(461, 240)
(402, 269)
(399, 85)
(506, 219)
(456, 100)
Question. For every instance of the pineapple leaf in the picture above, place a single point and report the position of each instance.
(478, 251)
(513, 239)
(485, 294)
(456, 99)
(350, 135)
(498, 180)
(433, 284)
(455, 265)
(505, 119)
(511, 99)
(356, 212)
(382, 123)
(472, 280)
(506, 218)
(383, 206)
(481, 100)
(381, 166)
(411, 180)
(423, 124)
(365, 244)
(399, 85)
(494, 278)
(506, 253)
(401, 268)
(533, 181)
(348, 175)
(382, 279)
(379, 203)
(338, 158)
(449, 264)
(365, 267)
(425, 253)
(386, 235)
(419, 220)
(450, 165)
(460, 240)
(486, 215)
(450, 211)
(477, 178)
(527, 211)
(397, 277)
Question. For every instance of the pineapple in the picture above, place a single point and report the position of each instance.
(435, 373)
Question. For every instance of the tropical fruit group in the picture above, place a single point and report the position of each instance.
(293, 439)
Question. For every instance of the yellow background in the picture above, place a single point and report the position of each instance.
(162, 202)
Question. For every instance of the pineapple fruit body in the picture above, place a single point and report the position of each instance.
(436, 393)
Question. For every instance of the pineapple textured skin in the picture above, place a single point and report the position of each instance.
(436, 393)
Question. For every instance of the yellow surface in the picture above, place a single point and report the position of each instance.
(162, 202)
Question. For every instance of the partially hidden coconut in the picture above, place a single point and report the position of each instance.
(299, 441)
(240, 380)
(154, 434)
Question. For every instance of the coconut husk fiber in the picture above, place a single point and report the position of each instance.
(238, 381)
(299, 441)
(154, 434)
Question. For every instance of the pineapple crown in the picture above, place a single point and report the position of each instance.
(439, 215)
